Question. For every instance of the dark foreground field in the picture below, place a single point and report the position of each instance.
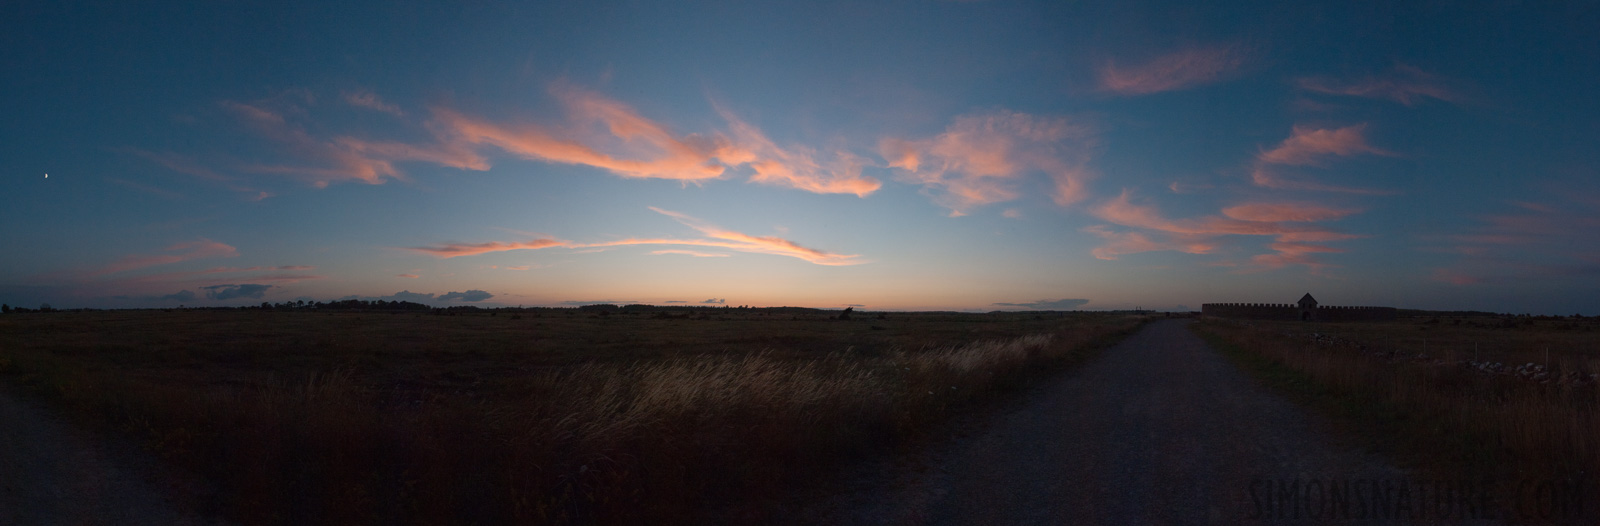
(528, 417)
(1510, 400)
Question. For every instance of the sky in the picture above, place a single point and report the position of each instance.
(915, 155)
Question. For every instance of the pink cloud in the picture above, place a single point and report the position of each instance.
(1176, 71)
(200, 249)
(656, 153)
(795, 167)
(982, 159)
(1292, 254)
(1308, 145)
(1312, 146)
(1286, 223)
(1275, 212)
(598, 131)
(346, 158)
(451, 250)
(1536, 240)
(369, 100)
(610, 135)
(1124, 242)
(717, 237)
(692, 253)
(1406, 85)
(407, 276)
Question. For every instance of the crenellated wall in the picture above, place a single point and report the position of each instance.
(1288, 311)
(1336, 313)
(1254, 311)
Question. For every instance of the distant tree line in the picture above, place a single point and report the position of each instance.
(8, 309)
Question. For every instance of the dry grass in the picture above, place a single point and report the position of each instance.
(307, 418)
(1432, 406)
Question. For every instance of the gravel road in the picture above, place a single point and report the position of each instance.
(53, 474)
(1159, 429)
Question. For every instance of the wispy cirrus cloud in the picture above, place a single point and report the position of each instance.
(407, 276)
(1526, 241)
(714, 236)
(984, 158)
(693, 253)
(648, 150)
(1290, 224)
(607, 134)
(597, 131)
(1308, 146)
(1171, 72)
(344, 158)
(179, 163)
(450, 250)
(795, 167)
(369, 100)
(1405, 84)
(198, 249)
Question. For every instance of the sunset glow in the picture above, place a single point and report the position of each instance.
(919, 155)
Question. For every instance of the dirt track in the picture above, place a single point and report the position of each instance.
(53, 474)
(1158, 430)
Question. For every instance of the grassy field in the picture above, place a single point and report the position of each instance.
(1510, 399)
(539, 416)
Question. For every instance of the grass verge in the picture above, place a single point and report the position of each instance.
(1448, 421)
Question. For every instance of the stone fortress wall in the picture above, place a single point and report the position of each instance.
(1289, 311)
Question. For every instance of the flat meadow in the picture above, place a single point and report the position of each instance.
(595, 415)
(1512, 399)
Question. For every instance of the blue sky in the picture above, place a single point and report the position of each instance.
(904, 155)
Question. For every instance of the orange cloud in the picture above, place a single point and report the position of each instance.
(346, 158)
(795, 167)
(665, 156)
(1176, 71)
(610, 135)
(1119, 243)
(981, 159)
(757, 244)
(1282, 221)
(1311, 146)
(451, 250)
(407, 276)
(201, 249)
(719, 237)
(1406, 85)
(598, 131)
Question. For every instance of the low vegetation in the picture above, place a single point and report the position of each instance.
(1508, 399)
(550, 415)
